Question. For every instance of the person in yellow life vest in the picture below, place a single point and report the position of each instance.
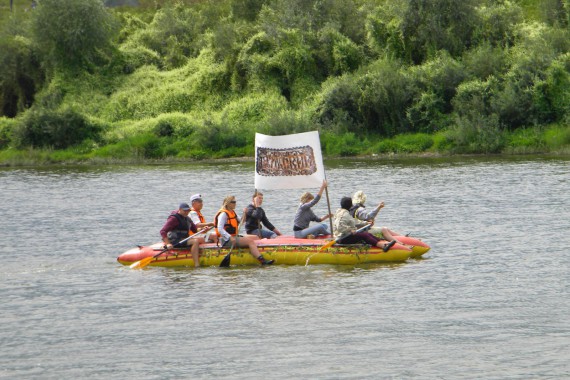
(199, 220)
(227, 226)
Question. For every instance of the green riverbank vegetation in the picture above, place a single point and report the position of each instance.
(84, 81)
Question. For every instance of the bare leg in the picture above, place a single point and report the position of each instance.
(389, 234)
(195, 251)
(251, 237)
(249, 242)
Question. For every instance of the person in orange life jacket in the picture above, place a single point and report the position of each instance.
(358, 211)
(255, 217)
(227, 225)
(178, 227)
(199, 220)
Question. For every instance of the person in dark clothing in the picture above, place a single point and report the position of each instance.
(178, 227)
(255, 217)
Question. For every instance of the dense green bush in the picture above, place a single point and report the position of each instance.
(485, 60)
(435, 83)
(345, 145)
(337, 108)
(387, 91)
(58, 129)
(6, 127)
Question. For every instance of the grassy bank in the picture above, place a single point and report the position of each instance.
(153, 149)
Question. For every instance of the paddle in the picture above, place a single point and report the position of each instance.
(330, 243)
(144, 262)
(226, 260)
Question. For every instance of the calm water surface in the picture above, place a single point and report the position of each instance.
(489, 301)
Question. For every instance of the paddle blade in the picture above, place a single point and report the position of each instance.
(226, 261)
(141, 263)
(328, 245)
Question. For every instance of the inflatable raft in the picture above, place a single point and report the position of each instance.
(284, 250)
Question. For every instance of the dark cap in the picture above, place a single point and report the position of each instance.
(184, 206)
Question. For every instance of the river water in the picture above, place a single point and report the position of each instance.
(490, 300)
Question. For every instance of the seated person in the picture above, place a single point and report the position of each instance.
(345, 227)
(304, 216)
(358, 211)
(227, 228)
(199, 220)
(178, 227)
(255, 217)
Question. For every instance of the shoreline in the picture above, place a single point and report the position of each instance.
(244, 159)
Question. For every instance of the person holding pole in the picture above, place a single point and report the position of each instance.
(305, 215)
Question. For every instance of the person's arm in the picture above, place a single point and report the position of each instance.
(196, 219)
(267, 223)
(323, 186)
(376, 210)
(170, 224)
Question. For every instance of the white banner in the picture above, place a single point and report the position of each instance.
(288, 162)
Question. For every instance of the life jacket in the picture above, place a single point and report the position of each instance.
(182, 230)
(183, 223)
(200, 216)
(202, 219)
(231, 225)
(355, 208)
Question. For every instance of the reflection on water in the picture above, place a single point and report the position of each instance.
(490, 300)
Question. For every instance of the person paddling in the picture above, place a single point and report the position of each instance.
(345, 227)
(178, 227)
(227, 225)
(199, 220)
(358, 211)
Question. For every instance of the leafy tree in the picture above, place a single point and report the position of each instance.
(72, 33)
(431, 25)
(338, 107)
(247, 10)
(21, 75)
(497, 23)
(386, 94)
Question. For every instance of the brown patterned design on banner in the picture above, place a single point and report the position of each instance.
(285, 162)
